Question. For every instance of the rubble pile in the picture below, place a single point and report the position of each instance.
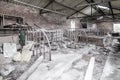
(14, 62)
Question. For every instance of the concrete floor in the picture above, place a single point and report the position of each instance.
(70, 64)
(112, 68)
(62, 67)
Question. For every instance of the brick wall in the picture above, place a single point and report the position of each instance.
(31, 16)
(106, 26)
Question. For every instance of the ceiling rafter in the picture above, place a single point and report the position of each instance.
(95, 16)
(78, 3)
(97, 9)
(29, 1)
(69, 8)
(36, 7)
(55, 10)
(116, 8)
(111, 9)
(48, 4)
(76, 12)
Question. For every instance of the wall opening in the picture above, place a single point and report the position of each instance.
(73, 24)
(116, 27)
(84, 25)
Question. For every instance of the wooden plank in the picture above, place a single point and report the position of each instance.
(89, 72)
(27, 73)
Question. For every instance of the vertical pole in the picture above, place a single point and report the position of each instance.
(3, 19)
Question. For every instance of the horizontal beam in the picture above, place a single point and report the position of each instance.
(76, 12)
(55, 10)
(23, 3)
(69, 7)
(2, 14)
(48, 4)
(97, 9)
(116, 8)
(93, 3)
(95, 16)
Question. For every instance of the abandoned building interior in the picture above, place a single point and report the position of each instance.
(59, 39)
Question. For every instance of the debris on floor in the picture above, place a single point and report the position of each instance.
(111, 70)
(17, 56)
(26, 56)
(9, 49)
(13, 63)
(7, 69)
(69, 60)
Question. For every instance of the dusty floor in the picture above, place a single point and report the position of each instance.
(20, 68)
(112, 68)
(99, 66)
(70, 64)
(63, 67)
(67, 63)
